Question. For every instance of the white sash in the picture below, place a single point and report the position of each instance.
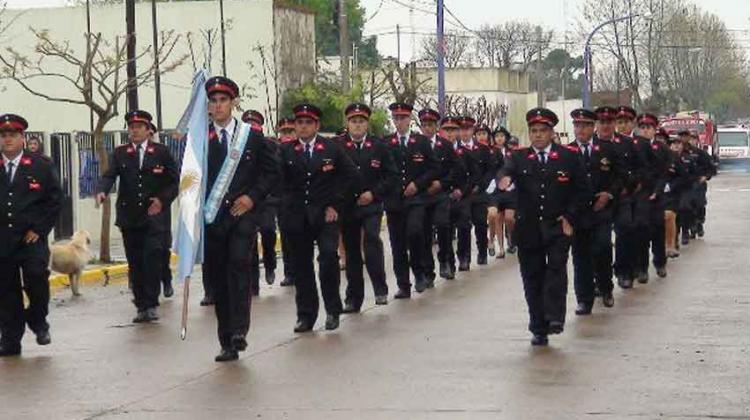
(224, 178)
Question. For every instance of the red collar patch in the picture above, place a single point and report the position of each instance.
(26, 161)
(130, 150)
(368, 144)
(554, 155)
(319, 147)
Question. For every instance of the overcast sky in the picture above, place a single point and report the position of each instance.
(557, 14)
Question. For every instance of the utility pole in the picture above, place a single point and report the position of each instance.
(131, 70)
(157, 74)
(441, 56)
(398, 44)
(539, 69)
(344, 46)
(223, 40)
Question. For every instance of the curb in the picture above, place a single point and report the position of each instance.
(95, 275)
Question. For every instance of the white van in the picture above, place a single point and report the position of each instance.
(734, 142)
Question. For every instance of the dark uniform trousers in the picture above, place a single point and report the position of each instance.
(632, 219)
(477, 210)
(460, 220)
(406, 231)
(30, 203)
(352, 228)
(227, 264)
(437, 216)
(592, 261)
(267, 230)
(545, 275)
(145, 249)
(302, 244)
(33, 260)
(652, 236)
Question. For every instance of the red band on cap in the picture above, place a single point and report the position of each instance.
(306, 114)
(358, 113)
(15, 125)
(222, 88)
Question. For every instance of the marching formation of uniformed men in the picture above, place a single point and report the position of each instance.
(544, 202)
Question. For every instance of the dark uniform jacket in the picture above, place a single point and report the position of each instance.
(604, 173)
(680, 178)
(484, 170)
(257, 174)
(311, 187)
(452, 173)
(629, 159)
(546, 192)
(376, 173)
(157, 178)
(415, 163)
(31, 202)
(658, 159)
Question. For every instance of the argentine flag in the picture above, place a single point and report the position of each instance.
(188, 243)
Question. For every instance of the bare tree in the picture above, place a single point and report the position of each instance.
(93, 80)
(403, 82)
(506, 44)
(457, 52)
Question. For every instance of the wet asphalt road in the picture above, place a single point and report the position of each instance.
(677, 348)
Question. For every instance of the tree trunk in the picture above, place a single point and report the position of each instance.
(103, 158)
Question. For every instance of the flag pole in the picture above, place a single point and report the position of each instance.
(185, 300)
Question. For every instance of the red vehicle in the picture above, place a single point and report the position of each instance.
(696, 122)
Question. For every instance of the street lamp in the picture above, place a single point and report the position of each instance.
(587, 56)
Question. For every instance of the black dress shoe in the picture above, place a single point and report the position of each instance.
(445, 270)
(642, 277)
(625, 283)
(420, 284)
(332, 322)
(43, 338)
(227, 355)
(239, 342)
(168, 290)
(381, 300)
(303, 326)
(539, 340)
(556, 327)
(661, 272)
(512, 249)
(608, 300)
(140, 317)
(208, 301)
(151, 315)
(430, 280)
(482, 259)
(402, 294)
(350, 309)
(451, 272)
(463, 266)
(584, 309)
(8, 350)
(685, 239)
(270, 276)
(288, 281)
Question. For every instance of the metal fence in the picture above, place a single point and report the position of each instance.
(88, 160)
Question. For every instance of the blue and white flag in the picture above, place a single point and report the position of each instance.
(188, 244)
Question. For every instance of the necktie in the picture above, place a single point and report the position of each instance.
(224, 138)
(542, 157)
(138, 150)
(403, 141)
(586, 151)
(308, 151)
(10, 172)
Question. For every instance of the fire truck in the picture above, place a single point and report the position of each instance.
(698, 122)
